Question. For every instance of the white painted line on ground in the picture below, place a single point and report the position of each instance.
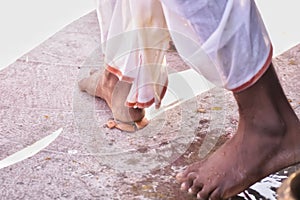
(30, 150)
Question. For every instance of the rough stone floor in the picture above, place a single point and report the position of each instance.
(39, 95)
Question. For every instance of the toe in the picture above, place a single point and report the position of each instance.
(196, 186)
(188, 183)
(185, 186)
(182, 176)
(202, 196)
(216, 195)
(204, 193)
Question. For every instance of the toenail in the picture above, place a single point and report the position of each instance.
(190, 191)
(199, 197)
(179, 175)
(183, 187)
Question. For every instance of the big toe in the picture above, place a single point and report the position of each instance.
(180, 177)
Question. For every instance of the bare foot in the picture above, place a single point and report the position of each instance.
(108, 87)
(267, 140)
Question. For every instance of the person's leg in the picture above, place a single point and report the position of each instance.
(105, 84)
(151, 78)
(137, 59)
(268, 136)
(267, 140)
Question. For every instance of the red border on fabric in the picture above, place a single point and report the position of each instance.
(119, 74)
(149, 103)
(257, 76)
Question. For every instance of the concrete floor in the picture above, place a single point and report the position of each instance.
(39, 95)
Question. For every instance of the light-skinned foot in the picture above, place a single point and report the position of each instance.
(267, 140)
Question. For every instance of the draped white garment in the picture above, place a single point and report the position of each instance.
(225, 40)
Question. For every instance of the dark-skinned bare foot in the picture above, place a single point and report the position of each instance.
(267, 140)
(108, 87)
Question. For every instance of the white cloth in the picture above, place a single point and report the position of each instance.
(225, 40)
(231, 46)
(135, 39)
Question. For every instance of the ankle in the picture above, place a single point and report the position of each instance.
(272, 125)
(263, 117)
(109, 81)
